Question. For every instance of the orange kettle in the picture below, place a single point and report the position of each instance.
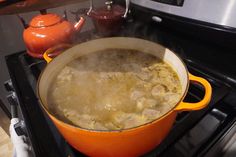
(48, 30)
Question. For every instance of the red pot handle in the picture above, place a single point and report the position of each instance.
(55, 48)
(186, 106)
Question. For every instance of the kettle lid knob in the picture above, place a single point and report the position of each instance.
(109, 4)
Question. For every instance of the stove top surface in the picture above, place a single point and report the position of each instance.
(197, 133)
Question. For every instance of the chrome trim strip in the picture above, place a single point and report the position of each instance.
(221, 12)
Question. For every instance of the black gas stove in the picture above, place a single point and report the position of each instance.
(198, 133)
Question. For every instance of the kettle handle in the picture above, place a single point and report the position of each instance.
(91, 7)
(127, 2)
(22, 21)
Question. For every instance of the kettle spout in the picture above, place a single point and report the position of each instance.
(78, 25)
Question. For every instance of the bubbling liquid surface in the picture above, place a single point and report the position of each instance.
(114, 90)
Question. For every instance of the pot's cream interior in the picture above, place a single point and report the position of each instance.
(48, 75)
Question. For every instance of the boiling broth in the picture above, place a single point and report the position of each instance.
(114, 89)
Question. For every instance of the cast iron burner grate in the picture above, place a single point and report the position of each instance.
(190, 133)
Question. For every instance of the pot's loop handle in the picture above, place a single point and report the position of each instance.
(55, 48)
(186, 106)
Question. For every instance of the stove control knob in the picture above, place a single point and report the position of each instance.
(12, 98)
(13, 101)
(8, 85)
(20, 128)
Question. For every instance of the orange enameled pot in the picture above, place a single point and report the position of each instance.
(128, 142)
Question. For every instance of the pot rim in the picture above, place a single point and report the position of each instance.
(122, 130)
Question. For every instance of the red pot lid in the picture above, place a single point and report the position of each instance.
(45, 20)
(103, 13)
